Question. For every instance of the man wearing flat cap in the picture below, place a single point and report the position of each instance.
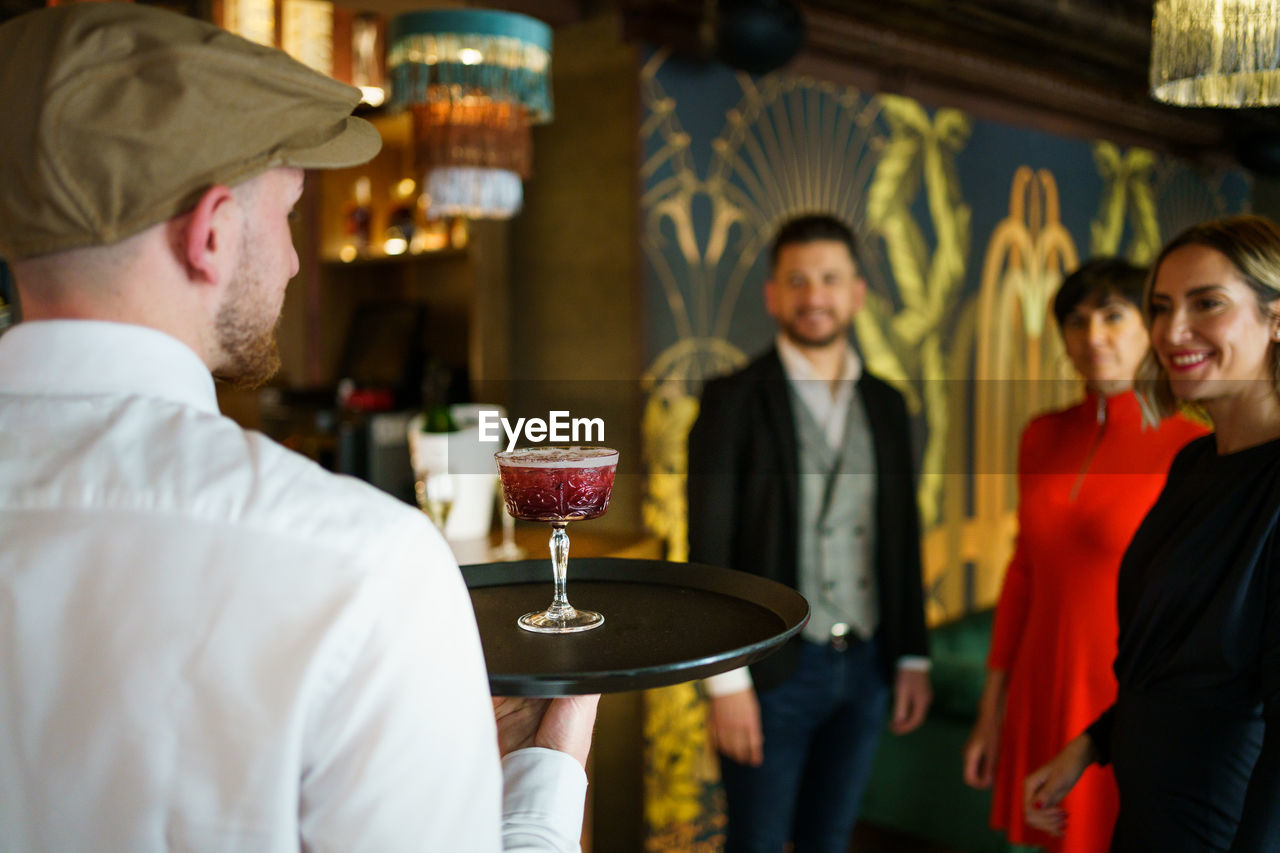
(207, 642)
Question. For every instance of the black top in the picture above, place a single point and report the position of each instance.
(1198, 663)
(744, 508)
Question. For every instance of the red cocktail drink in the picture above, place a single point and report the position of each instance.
(558, 485)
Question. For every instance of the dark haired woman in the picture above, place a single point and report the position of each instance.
(1194, 734)
(1087, 475)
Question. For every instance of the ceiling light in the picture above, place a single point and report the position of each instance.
(1216, 53)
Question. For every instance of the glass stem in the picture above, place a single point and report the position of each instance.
(508, 528)
(560, 565)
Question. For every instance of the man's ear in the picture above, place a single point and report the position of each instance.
(206, 236)
(771, 297)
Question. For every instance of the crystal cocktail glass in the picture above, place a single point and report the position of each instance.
(558, 485)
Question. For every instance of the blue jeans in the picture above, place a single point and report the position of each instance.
(820, 730)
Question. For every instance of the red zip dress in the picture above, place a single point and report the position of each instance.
(1087, 476)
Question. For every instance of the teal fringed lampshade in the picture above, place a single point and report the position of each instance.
(502, 56)
(475, 80)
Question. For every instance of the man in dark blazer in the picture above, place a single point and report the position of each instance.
(800, 470)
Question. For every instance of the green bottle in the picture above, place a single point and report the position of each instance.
(439, 419)
(437, 416)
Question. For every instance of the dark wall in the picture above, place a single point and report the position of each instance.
(574, 341)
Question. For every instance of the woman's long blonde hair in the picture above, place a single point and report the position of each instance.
(1252, 244)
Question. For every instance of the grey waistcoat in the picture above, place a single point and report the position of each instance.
(837, 524)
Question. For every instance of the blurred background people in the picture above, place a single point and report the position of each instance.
(1086, 477)
(1194, 734)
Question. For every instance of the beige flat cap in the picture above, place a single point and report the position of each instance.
(118, 116)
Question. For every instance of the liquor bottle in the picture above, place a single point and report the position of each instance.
(8, 299)
(358, 217)
(401, 226)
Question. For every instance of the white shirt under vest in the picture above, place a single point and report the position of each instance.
(209, 643)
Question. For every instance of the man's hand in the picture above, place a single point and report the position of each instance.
(1044, 789)
(911, 697)
(563, 724)
(735, 726)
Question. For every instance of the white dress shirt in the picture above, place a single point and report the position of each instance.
(209, 643)
(828, 403)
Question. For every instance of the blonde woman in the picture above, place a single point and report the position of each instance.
(1194, 734)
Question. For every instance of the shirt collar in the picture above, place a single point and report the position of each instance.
(76, 357)
(798, 368)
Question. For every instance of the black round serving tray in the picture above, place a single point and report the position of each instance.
(664, 623)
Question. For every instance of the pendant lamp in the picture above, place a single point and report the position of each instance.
(475, 82)
(1216, 53)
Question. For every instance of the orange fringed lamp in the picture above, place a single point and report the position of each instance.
(475, 82)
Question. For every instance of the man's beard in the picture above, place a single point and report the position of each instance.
(247, 339)
(793, 334)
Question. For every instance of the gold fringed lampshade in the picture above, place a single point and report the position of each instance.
(474, 81)
(1216, 53)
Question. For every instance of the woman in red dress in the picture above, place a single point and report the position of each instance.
(1087, 475)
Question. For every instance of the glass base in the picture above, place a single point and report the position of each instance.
(507, 551)
(568, 622)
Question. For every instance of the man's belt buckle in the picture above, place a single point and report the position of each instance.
(840, 636)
